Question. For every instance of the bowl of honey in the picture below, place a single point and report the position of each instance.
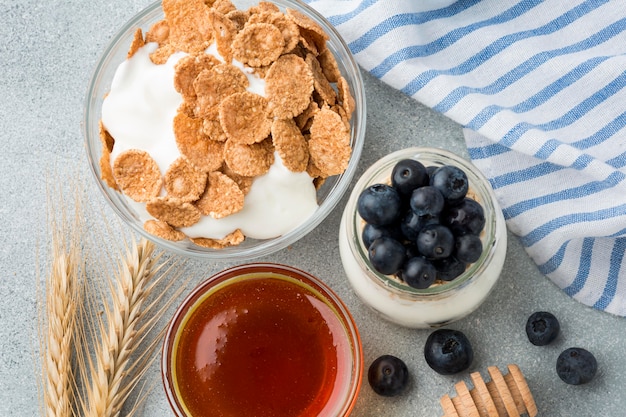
(262, 339)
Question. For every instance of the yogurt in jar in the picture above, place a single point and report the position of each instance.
(443, 302)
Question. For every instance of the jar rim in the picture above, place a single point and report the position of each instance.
(376, 173)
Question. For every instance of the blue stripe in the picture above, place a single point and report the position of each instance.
(408, 19)
(448, 39)
(572, 115)
(525, 174)
(340, 19)
(554, 262)
(584, 266)
(601, 135)
(487, 151)
(542, 231)
(573, 193)
(617, 256)
(539, 98)
(619, 161)
(532, 63)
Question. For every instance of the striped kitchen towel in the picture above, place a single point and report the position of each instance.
(539, 87)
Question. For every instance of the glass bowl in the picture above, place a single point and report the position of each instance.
(261, 337)
(444, 301)
(328, 195)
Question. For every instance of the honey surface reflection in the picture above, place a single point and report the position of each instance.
(260, 346)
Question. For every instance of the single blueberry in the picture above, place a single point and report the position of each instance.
(388, 375)
(435, 241)
(466, 217)
(451, 181)
(379, 204)
(427, 201)
(407, 175)
(448, 351)
(411, 224)
(372, 232)
(449, 268)
(542, 328)
(576, 366)
(387, 255)
(418, 272)
(468, 248)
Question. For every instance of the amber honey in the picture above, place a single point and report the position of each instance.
(262, 344)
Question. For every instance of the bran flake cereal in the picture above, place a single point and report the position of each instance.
(290, 144)
(227, 136)
(232, 239)
(221, 198)
(206, 155)
(289, 85)
(245, 117)
(173, 211)
(163, 230)
(258, 44)
(330, 142)
(137, 175)
(184, 181)
(249, 160)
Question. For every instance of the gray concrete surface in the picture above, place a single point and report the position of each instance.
(47, 53)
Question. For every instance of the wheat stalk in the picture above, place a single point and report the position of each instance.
(57, 324)
(99, 331)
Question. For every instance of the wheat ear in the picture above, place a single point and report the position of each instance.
(59, 319)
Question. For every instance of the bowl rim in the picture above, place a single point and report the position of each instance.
(261, 247)
(275, 271)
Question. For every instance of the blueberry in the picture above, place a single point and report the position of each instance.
(411, 224)
(372, 232)
(451, 181)
(379, 204)
(449, 268)
(576, 366)
(435, 241)
(427, 201)
(542, 328)
(388, 376)
(466, 217)
(418, 273)
(468, 248)
(387, 255)
(448, 351)
(407, 175)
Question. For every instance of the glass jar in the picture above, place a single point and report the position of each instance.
(262, 339)
(444, 301)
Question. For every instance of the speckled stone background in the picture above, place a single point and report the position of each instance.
(47, 54)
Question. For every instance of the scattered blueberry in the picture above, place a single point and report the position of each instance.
(451, 181)
(379, 204)
(427, 201)
(468, 248)
(418, 272)
(466, 217)
(435, 241)
(448, 351)
(542, 328)
(407, 175)
(411, 224)
(449, 268)
(388, 376)
(576, 366)
(387, 255)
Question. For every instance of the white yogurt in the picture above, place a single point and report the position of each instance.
(439, 304)
(139, 111)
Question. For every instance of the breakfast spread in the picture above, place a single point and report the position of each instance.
(221, 124)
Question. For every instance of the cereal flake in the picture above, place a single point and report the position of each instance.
(245, 117)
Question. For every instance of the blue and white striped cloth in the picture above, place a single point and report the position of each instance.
(539, 87)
